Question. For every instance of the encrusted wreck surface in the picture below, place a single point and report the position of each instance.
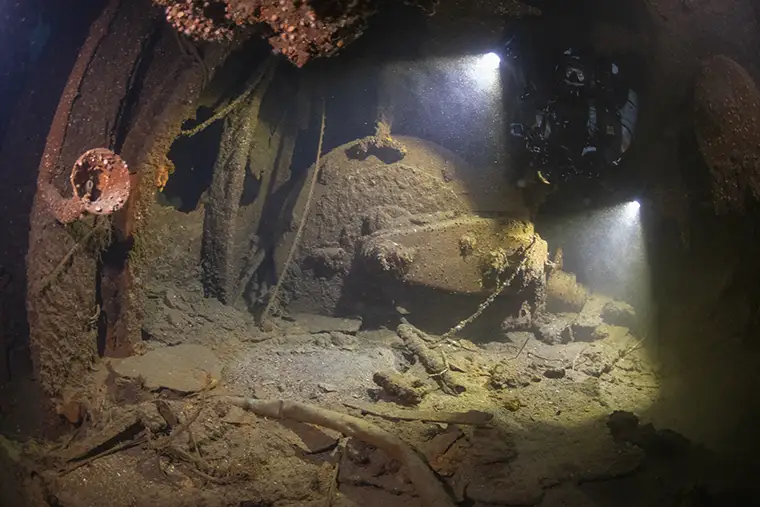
(556, 433)
(727, 124)
(438, 261)
(385, 211)
(299, 30)
(67, 310)
(221, 264)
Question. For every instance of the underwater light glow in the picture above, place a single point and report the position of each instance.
(631, 211)
(490, 61)
(605, 248)
(461, 108)
(484, 69)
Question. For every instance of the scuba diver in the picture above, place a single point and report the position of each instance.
(572, 114)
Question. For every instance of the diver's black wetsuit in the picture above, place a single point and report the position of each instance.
(573, 114)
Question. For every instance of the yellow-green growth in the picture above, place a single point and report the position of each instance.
(492, 265)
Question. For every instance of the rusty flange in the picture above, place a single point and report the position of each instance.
(100, 179)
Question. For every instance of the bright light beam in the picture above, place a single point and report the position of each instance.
(490, 61)
(606, 249)
(631, 212)
(485, 70)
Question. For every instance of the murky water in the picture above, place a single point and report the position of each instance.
(445, 253)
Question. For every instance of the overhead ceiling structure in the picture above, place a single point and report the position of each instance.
(299, 30)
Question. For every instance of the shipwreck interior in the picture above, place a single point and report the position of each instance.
(419, 253)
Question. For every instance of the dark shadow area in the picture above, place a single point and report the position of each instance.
(381, 302)
(278, 211)
(705, 328)
(352, 82)
(129, 105)
(193, 159)
(251, 189)
(113, 261)
(38, 46)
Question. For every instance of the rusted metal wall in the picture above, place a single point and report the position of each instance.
(135, 87)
